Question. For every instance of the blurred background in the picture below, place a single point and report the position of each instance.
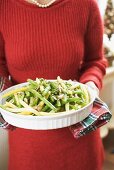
(107, 94)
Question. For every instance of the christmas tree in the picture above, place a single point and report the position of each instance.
(109, 19)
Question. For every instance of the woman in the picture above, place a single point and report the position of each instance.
(40, 38)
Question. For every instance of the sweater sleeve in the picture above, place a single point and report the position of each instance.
(3, 65)
(4, 80)
(93, 67)
(4, 74)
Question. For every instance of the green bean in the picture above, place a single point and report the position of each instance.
(78, 92)
(27, 93)
(45, 108)
(9, 98)
(64, 99)
(69, 92)
(49, 109)
(45, 92)
(54, 85)
(75, 107)
(37, 81)
(17, 100)
(43, 99)
(51, 97)
(41, 88)
(58, 103)
(36, 100)
(40, 106)
(22, 95)
(75, 99)
(31, 102)
(32, 82)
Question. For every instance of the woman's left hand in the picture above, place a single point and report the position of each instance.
(92, 85)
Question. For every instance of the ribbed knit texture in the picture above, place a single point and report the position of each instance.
(50, 42)
(64, 39)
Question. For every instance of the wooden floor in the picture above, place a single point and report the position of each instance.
(109, 151)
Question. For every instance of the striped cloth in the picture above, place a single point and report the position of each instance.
(99, 116)
(4, 84)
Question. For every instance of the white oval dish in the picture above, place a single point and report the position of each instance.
(64, 119)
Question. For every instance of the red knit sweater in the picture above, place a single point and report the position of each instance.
(64, 39)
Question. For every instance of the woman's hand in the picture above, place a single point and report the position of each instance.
(92, 85)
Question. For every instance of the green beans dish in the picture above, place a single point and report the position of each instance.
(42, 97)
